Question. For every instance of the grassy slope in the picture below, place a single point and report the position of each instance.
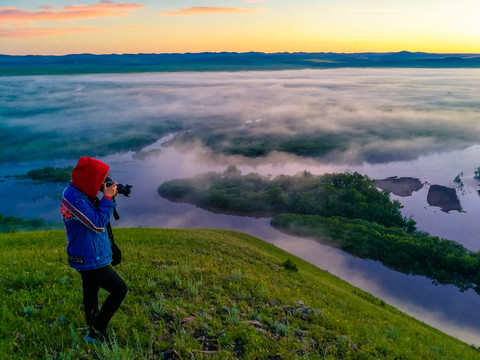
(195, 291)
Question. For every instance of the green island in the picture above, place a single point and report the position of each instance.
(202, 294)
(9, 224)
(343, 210)
(48, 174)
(418, 253)
(348, 195)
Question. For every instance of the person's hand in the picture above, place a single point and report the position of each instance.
(110, 191)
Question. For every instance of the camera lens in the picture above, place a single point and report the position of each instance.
(124, 189)
(121, 189)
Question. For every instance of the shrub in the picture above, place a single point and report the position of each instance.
(289, 265)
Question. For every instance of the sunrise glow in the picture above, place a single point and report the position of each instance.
(102, 27)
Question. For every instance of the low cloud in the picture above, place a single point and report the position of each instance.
(21, 23)
(203, 10)
(36, 32)
(105, 8)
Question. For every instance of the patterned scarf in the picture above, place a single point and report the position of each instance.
(68, 210)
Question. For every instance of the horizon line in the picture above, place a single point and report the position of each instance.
(252, 52)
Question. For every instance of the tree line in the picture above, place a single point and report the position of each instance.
(418, 253)
(48, 174)
(15, 223)
(348, 195)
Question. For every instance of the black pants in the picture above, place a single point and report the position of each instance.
(105, 278)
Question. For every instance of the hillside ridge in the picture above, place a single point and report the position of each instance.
(203, 293)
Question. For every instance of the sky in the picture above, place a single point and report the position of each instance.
(57, 27)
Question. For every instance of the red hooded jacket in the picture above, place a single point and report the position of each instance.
(88, 246)
(88, 175)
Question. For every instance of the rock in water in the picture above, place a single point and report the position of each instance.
(403, 186)
(443, 197)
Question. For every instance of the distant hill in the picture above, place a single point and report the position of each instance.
(224, 61)
(202, 294)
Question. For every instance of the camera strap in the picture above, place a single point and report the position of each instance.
(115, 214)
(96, 202)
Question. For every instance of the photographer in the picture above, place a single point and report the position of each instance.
(86, 220)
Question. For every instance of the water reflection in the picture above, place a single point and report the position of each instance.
(443, 307)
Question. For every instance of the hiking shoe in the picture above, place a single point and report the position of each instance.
(96, 337)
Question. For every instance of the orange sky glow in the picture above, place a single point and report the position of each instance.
(104, 26)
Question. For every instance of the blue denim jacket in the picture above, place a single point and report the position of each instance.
(87, 248)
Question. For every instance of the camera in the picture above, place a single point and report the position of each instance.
(122, 189)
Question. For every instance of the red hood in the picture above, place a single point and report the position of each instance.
(89, 175)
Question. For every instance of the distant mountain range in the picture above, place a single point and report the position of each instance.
(225, 61)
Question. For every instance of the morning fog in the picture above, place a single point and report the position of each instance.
(373, 116)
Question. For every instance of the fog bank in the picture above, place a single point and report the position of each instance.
(376, 115)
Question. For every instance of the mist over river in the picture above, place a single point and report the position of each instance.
(394, 122)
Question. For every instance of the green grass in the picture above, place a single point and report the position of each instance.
(202, 294)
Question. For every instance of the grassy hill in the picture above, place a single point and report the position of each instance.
(202, 294)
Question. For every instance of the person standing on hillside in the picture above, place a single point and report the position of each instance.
(88, 246)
